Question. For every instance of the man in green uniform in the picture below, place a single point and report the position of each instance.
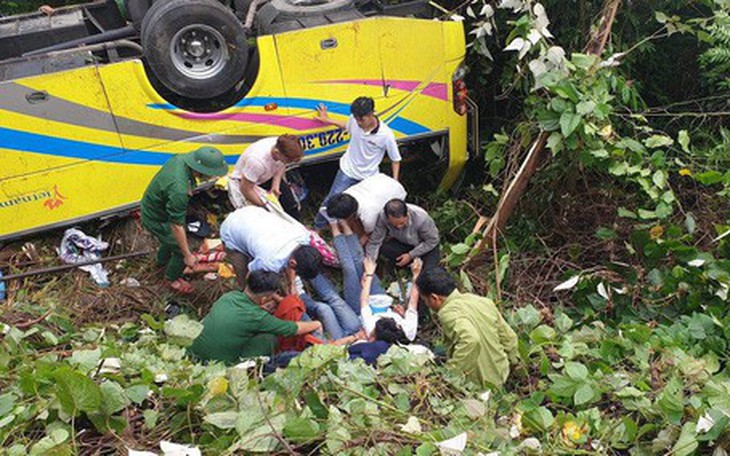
(480, 343)
(165, 204)
(238, 326)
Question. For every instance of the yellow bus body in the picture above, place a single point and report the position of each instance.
(85, 143)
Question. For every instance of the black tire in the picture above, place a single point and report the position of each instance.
(290, 9)
(195, 48)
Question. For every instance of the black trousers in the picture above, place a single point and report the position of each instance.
(393, 248)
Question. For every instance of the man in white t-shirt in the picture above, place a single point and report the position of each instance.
(256, 239)
(263, 163)
(363, 202)
(370, 140)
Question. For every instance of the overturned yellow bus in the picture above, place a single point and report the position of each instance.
(92, 102)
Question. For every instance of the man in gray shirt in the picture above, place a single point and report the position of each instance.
(404, 232)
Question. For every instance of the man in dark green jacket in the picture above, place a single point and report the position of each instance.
(239, 326)
(165, 204)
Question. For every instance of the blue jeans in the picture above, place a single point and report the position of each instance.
(351, 255)
(336, 316)
(341, 183)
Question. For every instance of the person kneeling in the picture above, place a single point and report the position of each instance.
(240, 325)
(480, 343)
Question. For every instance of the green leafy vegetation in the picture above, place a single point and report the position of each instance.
(614, 272)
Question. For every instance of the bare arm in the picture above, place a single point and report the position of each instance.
(395, 168)
(178, 232)
(276, 182)
(324, 117)
(367, 280)
(306, 327)
(248, 189)
(416, 266)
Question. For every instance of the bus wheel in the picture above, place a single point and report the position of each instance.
(196, 48)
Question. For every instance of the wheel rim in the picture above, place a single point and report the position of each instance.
(199, 51)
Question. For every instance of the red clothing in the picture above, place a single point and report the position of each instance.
(292, 308)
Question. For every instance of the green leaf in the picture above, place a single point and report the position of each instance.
(618, 168)
(661, 17)
(539, 419)
(655, 141)
(576, 371)
(52, 444)
(426, 449)
(137, 393)
(555, 142)
(563, 322)
(569, 122)
(585, 107)
(583, 394)
(263, 438)
(606, 234)
(150, 418)
(567, 90)
(222, 420)
(659, 178)
(709, 178)
(315, 404)
(475, 408)
(301, 429)
(683, 139)
(113, 397)
(583, 61)
(625, 213)
(690, 224)
(542, 334)
(460, 249)
(529, 316)
(687, 442)
(76, 392)
(7, 403)
(182, 330)
(86, 359)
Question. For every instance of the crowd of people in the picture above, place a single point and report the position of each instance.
(284, 301)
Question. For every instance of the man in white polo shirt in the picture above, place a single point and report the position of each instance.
(370, 140)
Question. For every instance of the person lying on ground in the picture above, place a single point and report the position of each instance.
(165, 205)
(361, 204)
(383, 325)
(240, 325)
(370, 139)
(256, 239)
(263, 164)
(479, 342)
(402, 233)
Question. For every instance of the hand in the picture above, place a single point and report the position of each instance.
(275, 191)
(416, 267)
(369, 266)
(190, 260)
(397, 308)
(291, 274)
(404, 259)
(322, 113)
